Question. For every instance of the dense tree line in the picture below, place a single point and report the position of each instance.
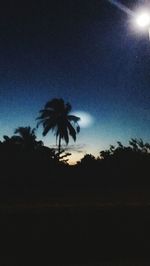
(120, 166)
(26, 164)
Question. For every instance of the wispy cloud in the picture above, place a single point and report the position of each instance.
(79, 148)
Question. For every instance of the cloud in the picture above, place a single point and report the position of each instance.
(79, 148)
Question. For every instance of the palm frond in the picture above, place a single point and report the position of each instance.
(78, 129)
(68, 108)
(73, 118)
(65, 134)
(55, 104)
(46, 130)
(72, 131)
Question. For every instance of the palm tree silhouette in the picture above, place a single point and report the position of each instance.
(56, 117)
(27, 138)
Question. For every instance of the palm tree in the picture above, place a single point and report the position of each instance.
(27, 138)
(56, 117)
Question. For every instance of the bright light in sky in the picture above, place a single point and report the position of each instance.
(143, 19)
(86, 119)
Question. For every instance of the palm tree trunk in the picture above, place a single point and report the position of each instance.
(59, 145)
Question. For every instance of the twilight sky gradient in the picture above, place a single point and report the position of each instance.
(88, 53)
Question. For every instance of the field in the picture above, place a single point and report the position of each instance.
(75, 232)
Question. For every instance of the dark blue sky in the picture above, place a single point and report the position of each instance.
(87, 52)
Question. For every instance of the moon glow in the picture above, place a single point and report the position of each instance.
(143, 19)
(86, 120)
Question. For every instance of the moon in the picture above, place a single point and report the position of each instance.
(86, 120)
(143, 19)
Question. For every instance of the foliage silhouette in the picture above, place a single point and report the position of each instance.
(136, 146)
(26, 164)
(56, 117)
(27, 138)
(87, 161)
(128, 163)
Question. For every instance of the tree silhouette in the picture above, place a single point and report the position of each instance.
(87, 160)
(56, 117)
(27, 138)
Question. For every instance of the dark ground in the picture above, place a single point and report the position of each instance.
(75, 232)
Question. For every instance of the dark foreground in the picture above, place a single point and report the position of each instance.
(66, 234)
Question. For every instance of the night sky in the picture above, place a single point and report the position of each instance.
(87, 52)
